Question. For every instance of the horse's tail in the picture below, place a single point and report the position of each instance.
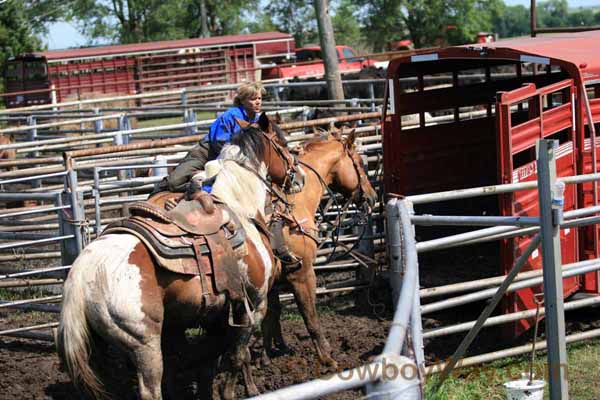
(73, 340)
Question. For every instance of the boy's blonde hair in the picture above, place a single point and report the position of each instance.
(247, 90)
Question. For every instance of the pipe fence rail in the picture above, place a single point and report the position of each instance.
(101, 182)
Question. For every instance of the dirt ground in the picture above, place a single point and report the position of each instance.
(30, 369)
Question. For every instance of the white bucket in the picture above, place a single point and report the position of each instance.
(520, 390)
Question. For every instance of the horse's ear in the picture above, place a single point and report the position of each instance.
(243, 124)
(350, 138)
(278, 119)
(264, 122)
(335, 132)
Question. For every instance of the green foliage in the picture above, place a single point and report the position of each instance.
(296, 17)
(17, 34)
(133, 21)
(346, 24)
(512, 21)
(383, 22)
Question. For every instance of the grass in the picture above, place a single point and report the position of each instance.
(485, 382)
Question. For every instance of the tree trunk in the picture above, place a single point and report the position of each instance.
(332, 70)
(204, 32)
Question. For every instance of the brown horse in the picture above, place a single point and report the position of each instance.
(8, 154)
(115, 290)
(328, 161)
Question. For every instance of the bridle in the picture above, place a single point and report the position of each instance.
(357, 196)
(294, 176)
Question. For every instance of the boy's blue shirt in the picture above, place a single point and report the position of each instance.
(223, 128)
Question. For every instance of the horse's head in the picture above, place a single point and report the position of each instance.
(264, 143)
(348, 175)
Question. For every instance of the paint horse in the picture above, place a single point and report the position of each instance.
(328, 161)
(117, 291)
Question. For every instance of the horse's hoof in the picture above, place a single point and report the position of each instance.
(265, 359)
(284, 349)
(252, 390)
(330, 364)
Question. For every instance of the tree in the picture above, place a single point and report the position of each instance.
(383, 22)
(132, 21)
(512, 21)
(441, 22)
(553, 13)
(330, 59)
(296, 17)
(583, 17)
(17, 34)
(346, 24)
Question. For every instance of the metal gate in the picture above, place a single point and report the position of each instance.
(525, 115)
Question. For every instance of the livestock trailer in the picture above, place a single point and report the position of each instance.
(480, 128)
(142, 67)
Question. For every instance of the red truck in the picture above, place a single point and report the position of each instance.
(309, 64)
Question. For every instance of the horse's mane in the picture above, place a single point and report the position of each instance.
(317, 140)
(280, 134)
(249, 140)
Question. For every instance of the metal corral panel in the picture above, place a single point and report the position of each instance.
(470, 116)
(274, 42)
(93, 76)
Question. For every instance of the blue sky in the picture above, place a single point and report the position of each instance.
(63, 35)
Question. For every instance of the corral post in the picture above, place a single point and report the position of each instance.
(71, 221)
(416, 323)
(550, 203)
(98, 124)
(53, 96)
(124, 124)
(160, 166)
(372, 95)
(96, 194)
(394, 247)
(32, 137)
(190, 117)
(121, 174)
(365, 246)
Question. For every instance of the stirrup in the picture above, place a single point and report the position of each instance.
(248, 311)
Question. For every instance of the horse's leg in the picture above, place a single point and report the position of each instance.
(304, 283)
(148, 359)
(271, 328)
(238, 357)
(174, 344)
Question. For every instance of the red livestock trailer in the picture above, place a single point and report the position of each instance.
(142, 67)
(501, 98)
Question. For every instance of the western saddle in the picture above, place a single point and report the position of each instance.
(200, 237)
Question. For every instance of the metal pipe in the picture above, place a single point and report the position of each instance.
(35, 242)
(29, 328)
(398, 330)
(497, 296)
(484, 294)
(30, 283)
(513, 351)
(60, 123)
(450, 220)
(31, 256)
(502, 319)
(34, 211)
(349, 379)
(487, 282)
(35, 272)
(48, 299)
(492, 190)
